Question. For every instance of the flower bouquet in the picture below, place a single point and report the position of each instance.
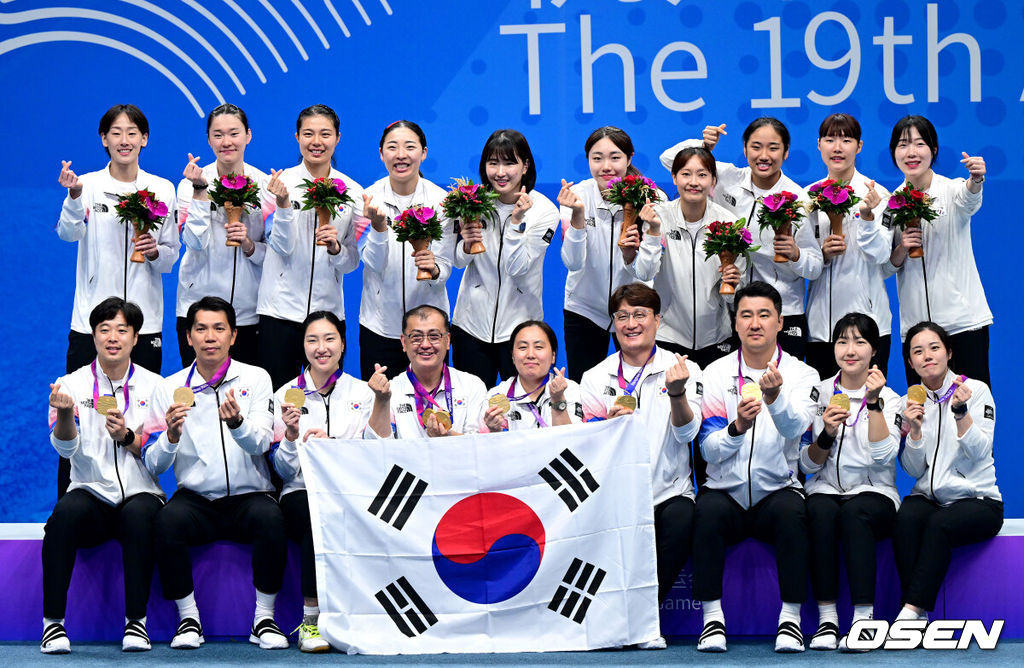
(780, 211)
(631, 192)
(907, 207)
(419, 226)
(327, 196)
(233, 193)
(728, 241)
(144, 212)
(835, 198)
(469, 202)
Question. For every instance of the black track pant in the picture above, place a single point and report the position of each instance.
(484, 360)
(189, 519)
(926, 534)
(854, 525)
(780, 519)
(82, 520)
(673, 538)
(377, 349)
(586, 344)
(295, 507)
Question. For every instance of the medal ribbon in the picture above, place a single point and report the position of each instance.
(217, 377)
(531, 406)
(863, 402)
(739, 365)
(96, 385)
(952, 388)
(424, 396)
(301, 383)
(629, 387)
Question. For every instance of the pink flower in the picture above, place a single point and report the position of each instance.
(156, 210)
(423, 214)
(773, 202)
(746, 236)
(836, 194)
(614, 181)
(340, 186)
(897, 202)
(234, 181)
(469, 190)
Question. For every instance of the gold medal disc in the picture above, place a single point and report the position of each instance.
(501, 401)
(751, 390)
(626, 401)
(295, 396)
(105, 404)
(184, 396)
(425, 415)
(443, 419)
(917, 393)
(841, 400)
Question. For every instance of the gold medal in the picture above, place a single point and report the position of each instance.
(425, 415)
(295, 396)
(841, 400)
(105, 404)
(501, 401)
(184, 396)
(751, 390)
(626, 401)
(443, 419)
(917, 394)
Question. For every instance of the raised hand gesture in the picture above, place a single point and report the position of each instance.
(711, 135)
(68, 179)
(278, 189)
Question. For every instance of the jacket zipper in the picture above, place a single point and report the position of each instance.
(117, 469)
(125, 289)
(693, 284)
(497, 295)
(839, 453)
(312, 266)
(611, 253)
(935, 455)
(750, 466)
(327, 407)
(404, 309)
(223, 445)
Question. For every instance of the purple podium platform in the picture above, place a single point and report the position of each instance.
(983, 583)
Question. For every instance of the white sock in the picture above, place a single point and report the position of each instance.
(47, 621)
(826, 613)
(264, 605)
(907, 613)
(310, 614)
(187, 607)
(712, 611)
(863, 612)
(790, 613)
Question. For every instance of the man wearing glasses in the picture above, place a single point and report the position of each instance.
(429, 398)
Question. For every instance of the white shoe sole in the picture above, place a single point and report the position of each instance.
(269, 644)
(190, 644)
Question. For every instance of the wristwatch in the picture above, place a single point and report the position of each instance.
(560, 405)
(234, 424)
(876, 405)
(129, 438)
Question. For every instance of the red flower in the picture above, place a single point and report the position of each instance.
(917, 194)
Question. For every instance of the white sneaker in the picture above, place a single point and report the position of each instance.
(189, 634)
(135, 637)
(268, 635)
(55, 640)
(712, 638)
(657, 643)
(826, 637)
(789, 638)
(310, 639)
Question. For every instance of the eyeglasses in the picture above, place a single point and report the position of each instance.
(434, 337)
(639, 315)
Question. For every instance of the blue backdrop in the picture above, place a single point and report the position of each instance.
(555, 69)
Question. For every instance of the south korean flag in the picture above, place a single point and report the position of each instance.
(531, 540)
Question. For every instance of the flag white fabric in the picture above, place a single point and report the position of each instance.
(522, 541)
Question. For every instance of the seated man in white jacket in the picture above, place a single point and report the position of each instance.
(93, 412)
(214, 422)
(752, 487)
(429, 398)
(663, 390)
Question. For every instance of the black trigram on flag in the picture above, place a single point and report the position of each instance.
(579, 585)
(569, 478)
(405, 607)
(400, 492)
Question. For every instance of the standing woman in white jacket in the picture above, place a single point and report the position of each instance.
(695, 316)
(209, 266)
(955, 500)
(853, 277)
(503, 286)
(597, 266)
(766, 147)
(943, 286)
(852, 497)
(300, 276)
(390, 287)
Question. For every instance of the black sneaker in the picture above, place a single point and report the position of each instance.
(268, 635)
(135, 637)
(712, 638)
(789, 638)
(826, 637)
(189, 634)
(55, 640)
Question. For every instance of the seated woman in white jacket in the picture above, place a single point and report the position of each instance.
(333, 404)
(852, 497)
(944, 286)
(695, 316)
(538, 394)
(853, 277)
(955, 500)
(504, 285)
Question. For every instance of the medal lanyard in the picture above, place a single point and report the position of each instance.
(952, 388)
(329, 385)
(630, 387)
(424, 396)
(96, 385)
(863, 402)
(531, 406)
(739, 364)
(213, 382)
